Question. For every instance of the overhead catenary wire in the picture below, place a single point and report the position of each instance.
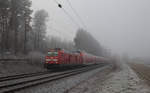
(71, 18)
(60, 32)
(78, 16)
(56, 1)
(54, 29)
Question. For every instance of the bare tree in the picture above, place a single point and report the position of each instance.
(85, 41)
(13, 16)
(39, 27)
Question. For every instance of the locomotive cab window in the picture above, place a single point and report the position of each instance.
(52, 53)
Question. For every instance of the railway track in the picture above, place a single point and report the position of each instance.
(18, 76)
(16, 83)
(22, 76)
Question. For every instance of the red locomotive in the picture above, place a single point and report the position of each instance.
(61, 57)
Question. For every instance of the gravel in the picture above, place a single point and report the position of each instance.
(63, 85)
(95, 81)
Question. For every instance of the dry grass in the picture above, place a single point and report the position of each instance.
(142, 71)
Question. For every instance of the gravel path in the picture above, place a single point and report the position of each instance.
(124, 81)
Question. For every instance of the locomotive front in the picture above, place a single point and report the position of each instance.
(52, 58)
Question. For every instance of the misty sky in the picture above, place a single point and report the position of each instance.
(120, 25)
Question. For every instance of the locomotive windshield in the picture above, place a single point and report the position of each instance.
(52, 53)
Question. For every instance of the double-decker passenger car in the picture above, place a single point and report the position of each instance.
(60, 57)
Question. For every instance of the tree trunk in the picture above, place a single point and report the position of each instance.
(2, 41)
(16, 37)
(25, 37)
(7, 34)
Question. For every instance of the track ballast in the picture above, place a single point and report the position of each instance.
(12, 84)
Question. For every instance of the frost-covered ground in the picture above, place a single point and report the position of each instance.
(22, 67)
(64, 85)
(13, 68)
(96, 81)
(124, 81)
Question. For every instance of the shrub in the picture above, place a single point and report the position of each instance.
(36, 58)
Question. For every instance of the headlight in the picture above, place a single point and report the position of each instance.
(55, 59)
(48, 59)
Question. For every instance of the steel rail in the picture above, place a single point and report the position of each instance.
(32, 82)
(18, 76)
(22, 75)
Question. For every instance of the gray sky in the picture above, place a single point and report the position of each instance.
(121, 25)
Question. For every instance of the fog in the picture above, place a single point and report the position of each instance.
(120, 25)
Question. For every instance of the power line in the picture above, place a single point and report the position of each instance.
(51, 26)
(56, 1)
(60, 32)
(71, 18)
(75, 12)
